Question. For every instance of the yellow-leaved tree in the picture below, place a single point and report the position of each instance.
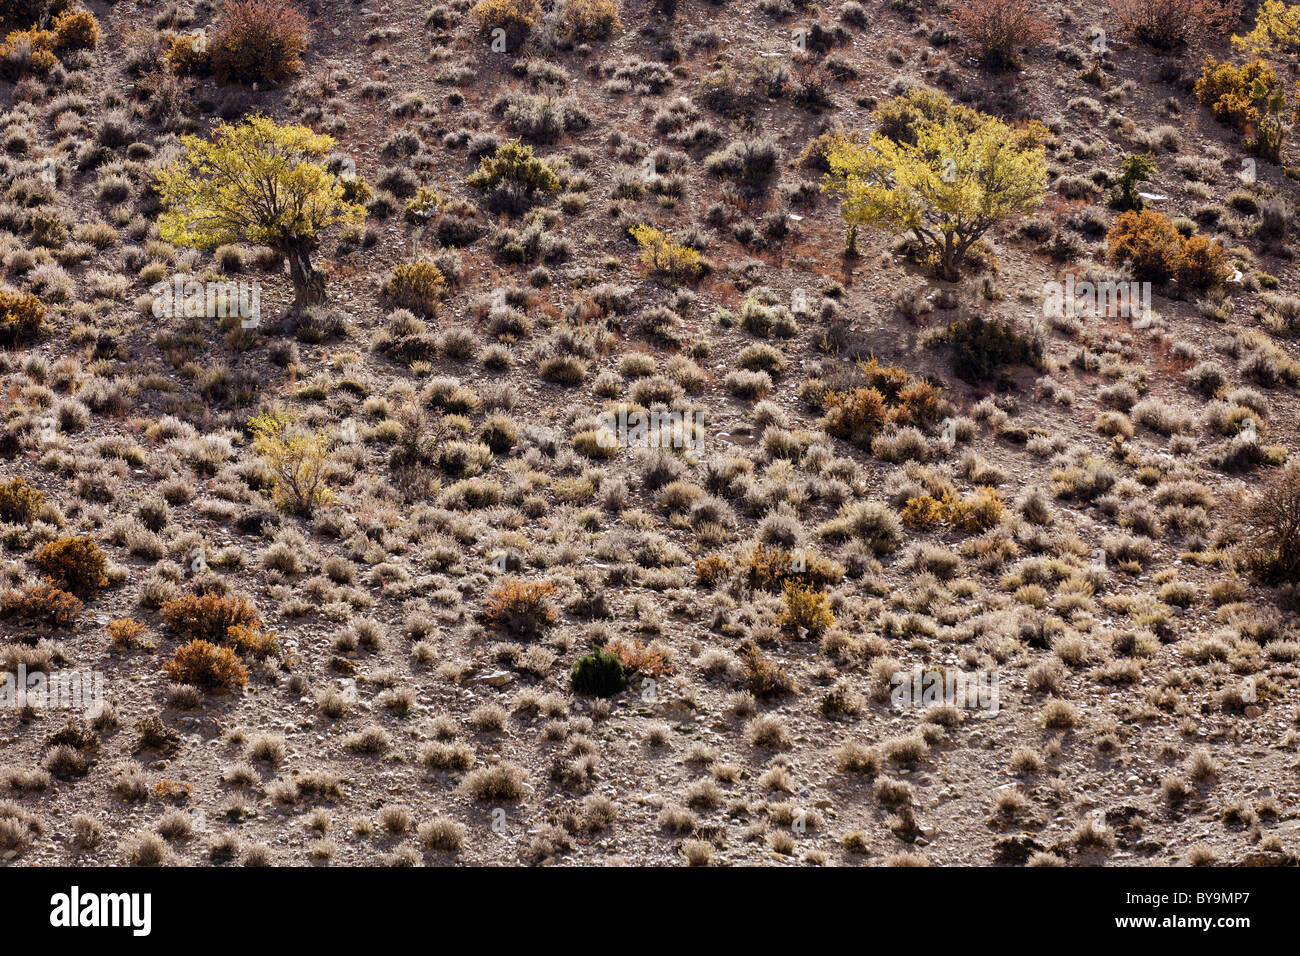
(258, 182)
(1276, 31)
(941, 173)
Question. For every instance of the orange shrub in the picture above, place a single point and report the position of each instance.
(890, 394)
(253, 641)
(41, 604)
(638, 659)
(208, 616)
(1148, 242)
(207, 666)
(28, 51)
(711, 570)
(125, 632)
(258, 41)
(1157, 252)
(855, 416)
(76, 563)
(185, 55)
(1201, 264)
(520, 609)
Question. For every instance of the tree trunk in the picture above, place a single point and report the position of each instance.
(308, 284)
(948, 268)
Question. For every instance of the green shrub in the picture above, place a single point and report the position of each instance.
(599, 673)
(981, 348)
(514, 163)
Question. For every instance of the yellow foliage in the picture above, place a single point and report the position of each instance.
(516, 17)
(40, 43)
(973, 514)
(76, 30)
(963, 173)
(581, 21)
(806, 609)
(297, 459)
(667, 258)
(212, 192)
(1276, 31)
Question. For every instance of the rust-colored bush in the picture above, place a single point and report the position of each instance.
(206, 666)
(855, 416)
(186, 54)
(125, 632)
(253, 641)
(711, 570)
(1001, 28)
(1201, 264)
(75, 563)
(1157, 252)
(890, 394)
(208, 616)
(1148, 242)
(1166, 24)
(41, 604)
(636, 658)
(520, 609)
(258, 41)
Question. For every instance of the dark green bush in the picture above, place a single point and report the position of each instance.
(599, 673)
(981, 348)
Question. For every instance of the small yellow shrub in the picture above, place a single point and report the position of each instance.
(19, 501)
(582, 21)
(297, 459)
(418, 286)
(516, 17)
(21, 315)
(668, 259)
(76, 30)
(806, 609)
